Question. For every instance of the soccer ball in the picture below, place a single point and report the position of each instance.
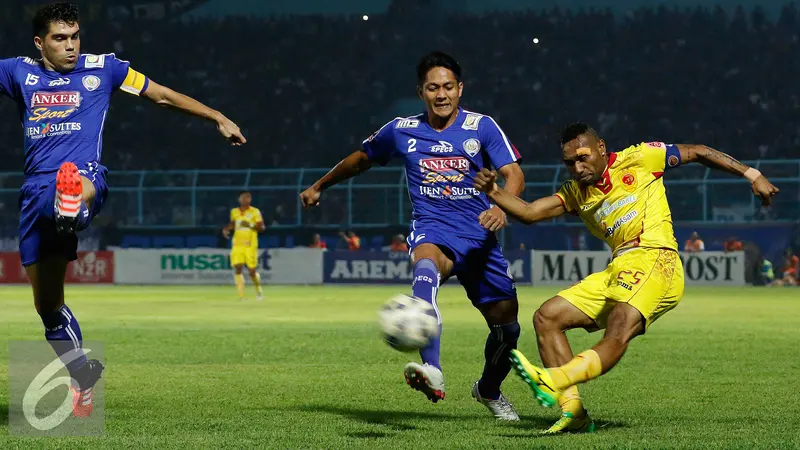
(408, 323)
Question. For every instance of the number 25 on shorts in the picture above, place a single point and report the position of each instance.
(628, 279)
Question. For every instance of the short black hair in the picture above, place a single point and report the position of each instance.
(437, 59)
(241, 193)
(573, 130)
(54, 12)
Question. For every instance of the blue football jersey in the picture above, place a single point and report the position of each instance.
(62, 114)
(441, 165)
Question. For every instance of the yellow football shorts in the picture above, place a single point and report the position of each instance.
(247, 256)
(649, 279)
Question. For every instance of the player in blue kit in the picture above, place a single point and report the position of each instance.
(452, 232)
(63, 99)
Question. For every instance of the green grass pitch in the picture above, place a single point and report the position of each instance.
(195, 368)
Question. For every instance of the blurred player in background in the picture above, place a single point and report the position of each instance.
(789, 269)
(352, 240)
(766, 271)
(732, 245)
(63, 99)
(453, 231)
(694, 244)
(317, 242)
(621, 199)
(245, 222)
(398, 244)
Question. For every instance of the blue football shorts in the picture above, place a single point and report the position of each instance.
(38, 237)
(480, 266)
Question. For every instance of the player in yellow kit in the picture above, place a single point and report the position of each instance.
(620, 197)
(246, 222)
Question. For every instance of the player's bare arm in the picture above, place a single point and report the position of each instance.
(541, 209)
(356, 163)
(226, 230)
(258, 226)
(716, 159)
(494, 219)
(164, 96)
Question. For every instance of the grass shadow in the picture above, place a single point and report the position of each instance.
(368, 435)
(397, 420)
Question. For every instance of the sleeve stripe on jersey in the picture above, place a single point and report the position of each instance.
(100, 134)
(563, 203)
(381, 129)
(134, 83)
(514, 155)
(114, 55)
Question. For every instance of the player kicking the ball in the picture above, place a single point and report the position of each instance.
(453, 228)
(621, 199)
(63, 99)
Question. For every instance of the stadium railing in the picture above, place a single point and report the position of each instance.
(198, 198)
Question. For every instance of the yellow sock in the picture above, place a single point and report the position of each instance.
(257, 282)
(239, 278)
(570, 401)
(584, 367)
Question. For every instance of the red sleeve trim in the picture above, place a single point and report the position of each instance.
(561, 199)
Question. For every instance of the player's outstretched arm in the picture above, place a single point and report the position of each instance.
(164, 96)
(541, 209)
(716, 159)
(356, 163)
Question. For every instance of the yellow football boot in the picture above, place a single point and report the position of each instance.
(538, 379)
(568, 423)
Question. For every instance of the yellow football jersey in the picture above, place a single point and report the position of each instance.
(628, 206)
(243, 235)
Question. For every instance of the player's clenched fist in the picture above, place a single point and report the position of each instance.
(485, 181)
(310, 197)
(764, 189)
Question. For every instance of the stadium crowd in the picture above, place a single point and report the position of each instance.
(309, 89)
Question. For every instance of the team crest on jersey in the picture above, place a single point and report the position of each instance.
(95, 61)
(628, 179)
(472, 146)
(407, 123)
(472, 121)
(91, 82)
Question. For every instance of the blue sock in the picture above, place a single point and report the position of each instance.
(62, 331)
(502, 339)
(83, 217)
(426, 286)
